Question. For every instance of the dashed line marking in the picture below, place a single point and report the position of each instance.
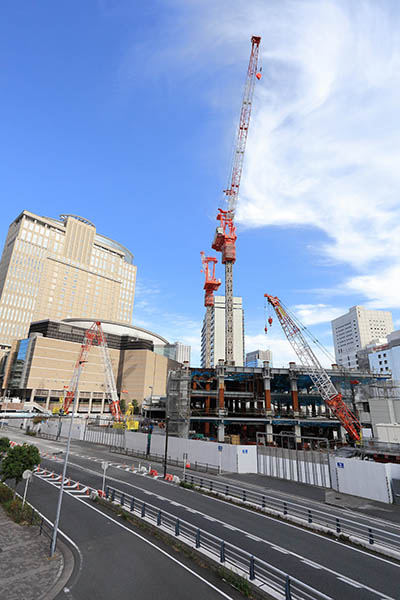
(254, 537)
(279, 549)
(353, 583)
(311, 564)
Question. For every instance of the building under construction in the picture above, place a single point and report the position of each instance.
(241, 401)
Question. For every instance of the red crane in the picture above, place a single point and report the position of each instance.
(211, 285)
(332, 398)
(95, 333)
(225, 235)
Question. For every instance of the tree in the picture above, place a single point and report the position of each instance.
(122, 405)
(18, 460)
(4, 445)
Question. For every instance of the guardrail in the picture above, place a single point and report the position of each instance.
(173, 462)
(339, 525)
(255, 570)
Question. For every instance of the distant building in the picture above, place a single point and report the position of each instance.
(177, 351)
(257, 358)
(218, 332)
(354, 330)
(386, 359)
(39, 368)
(62, 268)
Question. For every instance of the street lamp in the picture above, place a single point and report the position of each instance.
(60, 495)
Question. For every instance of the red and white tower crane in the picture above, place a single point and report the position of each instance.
(211, 285)
(332, 398)
(95, 333)
(225, 235)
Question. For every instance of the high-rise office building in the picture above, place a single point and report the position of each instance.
(58, 269)
(217, 333)
(357, 328)
(177, 351)
(257, 358)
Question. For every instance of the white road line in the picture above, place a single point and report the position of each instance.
(254, 537)
(229, 526)
(208, 518)
(278, 549)
(353, 583)
(311, 564)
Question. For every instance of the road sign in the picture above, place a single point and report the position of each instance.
(27, 474)
(340, 465)
(220, 448)
(245, 451)
(104, 465)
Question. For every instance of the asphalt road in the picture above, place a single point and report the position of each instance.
(332, 567)
(116, 561)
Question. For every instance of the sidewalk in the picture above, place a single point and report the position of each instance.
(26, 570)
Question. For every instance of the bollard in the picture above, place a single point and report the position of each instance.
(177, 527)
(198, 538)
(284, 508)
(338, 529)
(159, 518)
(370, 536)
(133, 505)
(252, 575)
(309, 516)
(222, 552)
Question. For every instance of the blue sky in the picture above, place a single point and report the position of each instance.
(125, 112)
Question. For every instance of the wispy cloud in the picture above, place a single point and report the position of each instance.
(313, 314)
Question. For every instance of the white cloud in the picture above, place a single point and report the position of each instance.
(312, 314)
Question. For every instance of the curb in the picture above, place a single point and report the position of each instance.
(66, 573)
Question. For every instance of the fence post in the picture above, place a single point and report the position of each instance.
(107, 492)
(284, 508)
(143, 509)
(159, 518)
(288, 595)
(244, 495)
(370, 536)
(309, 516)
(226, 490)
(198, 538)
(211, 485)
(263, 501)
(222, 552)
(122, 499)
(41, 527)
(252, 569)
(201, 482)
(338, 529)
(112, 495)
(177, 527)
(133, 505)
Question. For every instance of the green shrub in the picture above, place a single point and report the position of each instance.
(5, 493)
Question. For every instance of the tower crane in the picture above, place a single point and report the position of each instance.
(225, 235)
(95, 333)
(211, 285)
(332, 398)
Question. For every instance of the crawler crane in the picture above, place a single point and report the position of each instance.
(332, 398)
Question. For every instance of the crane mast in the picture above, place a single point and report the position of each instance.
(332, 398)
(211, 285)
(95, 332)
(225, 235)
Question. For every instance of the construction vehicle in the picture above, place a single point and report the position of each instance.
(225, 235)
(332, 398)
(211, 285)
(131, 421)
(96, 335)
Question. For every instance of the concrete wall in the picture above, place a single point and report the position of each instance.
(363, 478)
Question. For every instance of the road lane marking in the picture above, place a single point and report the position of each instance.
(311, 564)
(254, 537)
(353, 583)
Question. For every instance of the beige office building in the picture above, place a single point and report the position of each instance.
(58, 269)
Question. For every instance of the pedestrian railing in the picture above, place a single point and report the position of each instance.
(261, 574)
(173, 462)
(337, 525)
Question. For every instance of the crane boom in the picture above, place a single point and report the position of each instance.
(225, 235)
(95, 332)
(332, 398)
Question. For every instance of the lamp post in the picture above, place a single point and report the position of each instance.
(60, 495)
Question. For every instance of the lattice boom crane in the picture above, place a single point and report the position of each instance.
(95, 333)
(225, 235)
(332, 398)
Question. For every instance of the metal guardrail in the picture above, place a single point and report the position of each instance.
(344, 525)
(172, 462)
(231, 557)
